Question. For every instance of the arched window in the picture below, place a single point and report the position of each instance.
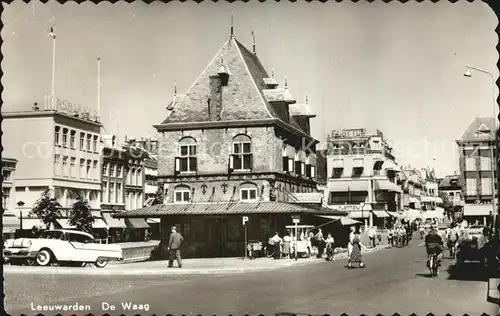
(182, 194)
(241, 157)
(248, 192)
(186, 160)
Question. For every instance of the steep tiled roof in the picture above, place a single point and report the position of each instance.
(242, 99)
(226, 209)
(481, 128)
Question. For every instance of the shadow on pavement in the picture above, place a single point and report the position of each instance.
(469, 271)
(424, 275)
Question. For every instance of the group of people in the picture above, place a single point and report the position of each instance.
(399, 235)
(285, 247)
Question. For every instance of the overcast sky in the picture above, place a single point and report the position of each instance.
(396, 67)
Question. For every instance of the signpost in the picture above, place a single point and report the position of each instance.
(245, 220)
(296, 220)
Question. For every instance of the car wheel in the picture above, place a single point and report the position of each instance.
(43, 257)
(101, 263)
(31, 262)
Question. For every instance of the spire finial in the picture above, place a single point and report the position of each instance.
(232, 26)
(286, 82)
(272, 73)
(253, 40)
(307, 100)
(175, 89)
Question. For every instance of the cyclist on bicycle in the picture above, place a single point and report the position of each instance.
(434, 244)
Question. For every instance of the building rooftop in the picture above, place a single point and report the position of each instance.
(247, 96)
(480, 129)
(47, 113)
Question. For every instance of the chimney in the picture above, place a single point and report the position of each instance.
(215, 98)
(36, 108)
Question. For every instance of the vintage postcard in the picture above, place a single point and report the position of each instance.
(258, 158)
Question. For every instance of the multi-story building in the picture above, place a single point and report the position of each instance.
(477, 169)
(9, 203)
(451, 186)
(361, 172)
(234, 147)
(61, 152)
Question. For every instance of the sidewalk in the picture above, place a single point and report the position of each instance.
(494, 290)
(190, 266)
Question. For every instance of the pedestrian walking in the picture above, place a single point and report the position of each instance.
(174, 244)
(356, 252)
(372, 234)
(349, 243)
(329, 241)
(320, 243)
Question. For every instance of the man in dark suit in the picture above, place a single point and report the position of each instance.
(173, 246)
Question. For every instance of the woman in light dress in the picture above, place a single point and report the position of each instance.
(287, 240)
(350, 243)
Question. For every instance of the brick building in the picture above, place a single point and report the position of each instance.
(475, 149)
(235, 144)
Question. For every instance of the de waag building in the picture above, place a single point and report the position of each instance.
(234, 145)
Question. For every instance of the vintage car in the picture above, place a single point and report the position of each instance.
(61, 246)
(471, 245)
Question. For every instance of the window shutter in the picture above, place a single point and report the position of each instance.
(308, 171)
(285, 164)
(194, 166)
(297, 168)
(251, 161)
(303, 168)
(177, 164)
(313, 171)
(290, 165)
(231, 162)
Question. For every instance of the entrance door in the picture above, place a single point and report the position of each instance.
(216, 238)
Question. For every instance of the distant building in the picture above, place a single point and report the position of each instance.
(60, 152)
(361, 175)
(476, 147)
(451, 186)
(9, 203)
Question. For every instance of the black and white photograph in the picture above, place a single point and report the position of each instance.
(250, 158)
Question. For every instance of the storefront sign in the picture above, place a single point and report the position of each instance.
(349, 133)
(349, 208)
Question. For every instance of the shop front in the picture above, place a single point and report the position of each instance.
(217, 229)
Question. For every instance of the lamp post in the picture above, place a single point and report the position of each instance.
(20, 204)
(494, 158)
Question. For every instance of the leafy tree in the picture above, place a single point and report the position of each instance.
(81, 216)
(448, 205)
(46, 208)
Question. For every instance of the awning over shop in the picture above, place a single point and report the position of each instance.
(344, 221)
(99, 223)
(152, 220)
(478, 209)
(381, 214)
(432, 214)
(358, 163)
(307, 197)
(136, 223)
(439, 200)
(338, 186)
(29, 223)
(411, 213)
(10, 223)
(64, 223)
(113, 222)
(427, 198)
(359, 214)
(413, 200)
(394, 214)
(338, 163)
(389, 165)
(359, 186)
(386, 185)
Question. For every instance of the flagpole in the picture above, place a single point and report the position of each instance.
(98, 87)
(53, 35)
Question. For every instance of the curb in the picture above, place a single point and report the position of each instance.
(115, 270)
(493, 290)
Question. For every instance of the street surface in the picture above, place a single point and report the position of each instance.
(394, 281)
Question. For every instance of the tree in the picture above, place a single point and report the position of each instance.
(448, 205)
(46, 208)
(81, 216)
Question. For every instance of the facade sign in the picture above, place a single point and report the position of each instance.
(70, 108)
(245, 219)
(349, 208)
(349, 133)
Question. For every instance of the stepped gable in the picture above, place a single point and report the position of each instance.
(243, 97)
(483, 127)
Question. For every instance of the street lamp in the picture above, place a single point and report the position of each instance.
(20, 204)
(494, 142)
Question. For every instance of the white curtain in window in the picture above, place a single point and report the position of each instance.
(485, 163)
(470, 163)
(486, 186)
(471, 186)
